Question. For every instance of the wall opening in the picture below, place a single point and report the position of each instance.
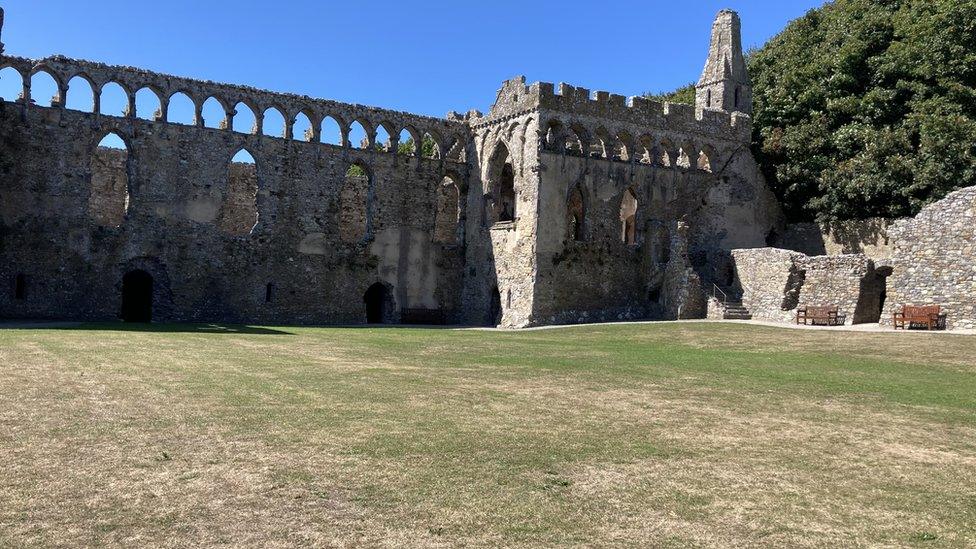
(148, 105)
(20, 287)
(11, 84)
(500, 205)
(109, 198)
(268, 292)
(628, 218)
(113, 100)
(239, 209)
(495, 307)
(214, 114)
(181, 110)
(81, 95)
(448, 212)
(666, 154)
(273, 123)
(406, 146)
(873, 292)
(44, 90)
(704, 162)
(430, 147)
(379, 304)
(382, 140)
(330, 133)
(353, 205)
(575, 214)
(358, 138)
(555, 137)
(738, 92)
(137, 296)
(301, 128)
(243, 119)
(623, 147)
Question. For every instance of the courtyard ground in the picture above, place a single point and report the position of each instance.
(685, 434)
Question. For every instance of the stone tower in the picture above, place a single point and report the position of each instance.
(724, 84)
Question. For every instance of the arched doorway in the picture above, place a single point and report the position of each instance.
(137, 296)
(495, 308)
(379, 304)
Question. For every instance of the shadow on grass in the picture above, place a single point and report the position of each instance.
(239, 329)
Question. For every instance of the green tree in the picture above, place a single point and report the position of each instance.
(868, 107)
(685, 94)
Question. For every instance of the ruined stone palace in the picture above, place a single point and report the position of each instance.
(558, 205)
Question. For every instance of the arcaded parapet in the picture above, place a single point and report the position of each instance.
(934, 260)
(774, 282)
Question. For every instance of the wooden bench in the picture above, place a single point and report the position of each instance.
(929, 316)
(827, 315)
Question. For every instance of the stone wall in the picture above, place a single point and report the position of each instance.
(773, 282)
(190, 223)
(934, 260)
(768, 281)
(511, 218)
(109, 197)
(856, 236)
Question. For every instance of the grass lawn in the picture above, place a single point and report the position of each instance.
(689, 434)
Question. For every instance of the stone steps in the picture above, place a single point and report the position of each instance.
(736, 311)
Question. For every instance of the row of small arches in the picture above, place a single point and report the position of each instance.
(113, 99)
(575, 140)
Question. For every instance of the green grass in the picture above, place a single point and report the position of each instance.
(619, 435)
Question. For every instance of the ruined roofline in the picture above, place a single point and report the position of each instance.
(133, 79)
(517, 97)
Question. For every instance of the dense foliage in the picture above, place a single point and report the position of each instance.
(684, 94)
(868, 107)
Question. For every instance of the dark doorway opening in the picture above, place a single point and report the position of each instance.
(20, 287)
(872, 296)
(507, 194)
(379, 304)
(137, 296)
(495, 308)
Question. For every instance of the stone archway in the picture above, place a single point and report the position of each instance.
(137, 296)
(380, 305)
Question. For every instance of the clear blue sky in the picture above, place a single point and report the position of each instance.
(422, 57)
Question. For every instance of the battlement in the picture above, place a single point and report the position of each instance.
(515, 96)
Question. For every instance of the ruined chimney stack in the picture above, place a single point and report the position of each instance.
(1, 31)
(724, 83)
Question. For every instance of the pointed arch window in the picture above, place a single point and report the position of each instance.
(108, 202)
(575, 215)
(239, 208)
(354, 205)
(628, 218)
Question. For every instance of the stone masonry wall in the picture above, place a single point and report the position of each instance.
(109, 186)
(934, 260)
(856, 236)
(180, 177)
(302, 233)
(774, 282)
